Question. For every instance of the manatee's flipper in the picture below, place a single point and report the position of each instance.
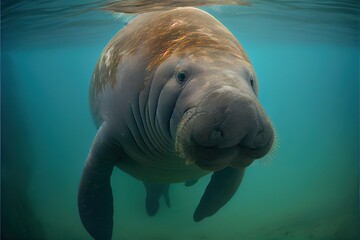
(191, 182)
(153, 194)
(222, 187)
(95, 200)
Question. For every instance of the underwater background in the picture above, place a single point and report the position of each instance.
(306, 56)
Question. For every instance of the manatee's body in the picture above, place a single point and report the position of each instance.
(174, 96)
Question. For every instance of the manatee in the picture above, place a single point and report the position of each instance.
(174, 97)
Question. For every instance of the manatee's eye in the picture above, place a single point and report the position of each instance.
(181, 77)
(253, 86)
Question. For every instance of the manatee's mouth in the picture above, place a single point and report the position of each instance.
(212, 158)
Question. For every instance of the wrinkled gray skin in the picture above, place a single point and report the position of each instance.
(196, 113)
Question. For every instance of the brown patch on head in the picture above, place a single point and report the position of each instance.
(157, 36)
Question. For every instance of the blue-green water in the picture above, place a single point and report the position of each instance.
(306, 57)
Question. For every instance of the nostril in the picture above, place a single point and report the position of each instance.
(218, 131)
(255, 139)
(217, 135)
(260, 139)
(208, 137)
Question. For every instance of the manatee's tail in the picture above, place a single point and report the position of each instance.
(153, 194)
(142, 6)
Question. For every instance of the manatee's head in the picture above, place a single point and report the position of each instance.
(217, 120)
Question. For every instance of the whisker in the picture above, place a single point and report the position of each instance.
(267, 160)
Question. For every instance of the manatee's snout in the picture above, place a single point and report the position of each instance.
(227, 120)
(228, 127)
